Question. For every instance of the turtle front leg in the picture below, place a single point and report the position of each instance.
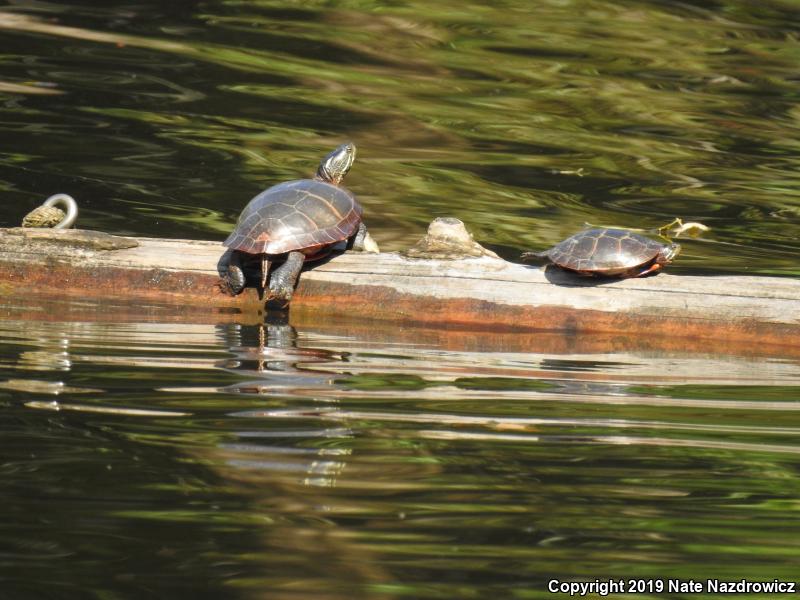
(284, 278)
(233, 280)
(362, 241)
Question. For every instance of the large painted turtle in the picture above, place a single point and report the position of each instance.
(297, 220)
(608, 252)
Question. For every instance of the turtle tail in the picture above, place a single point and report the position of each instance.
(264, 271)
(529, 256)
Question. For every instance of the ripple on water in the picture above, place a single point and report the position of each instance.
(292, 448)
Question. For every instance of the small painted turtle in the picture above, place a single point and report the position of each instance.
(609, 253)
(297, 220)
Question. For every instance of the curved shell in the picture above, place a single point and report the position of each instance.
(606, 251)
(296, 215)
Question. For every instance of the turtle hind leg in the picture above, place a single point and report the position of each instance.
(284, 278)
(233, 281)
(532, 256)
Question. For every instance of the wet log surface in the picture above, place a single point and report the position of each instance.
(479, 293)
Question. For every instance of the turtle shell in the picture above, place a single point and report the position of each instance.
(603, 251)
(306, 215)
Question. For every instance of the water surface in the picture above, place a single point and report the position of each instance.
(167, 458)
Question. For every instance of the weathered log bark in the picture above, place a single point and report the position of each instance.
(479, 293)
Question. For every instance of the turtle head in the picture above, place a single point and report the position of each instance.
(335, 166)
(668, 253)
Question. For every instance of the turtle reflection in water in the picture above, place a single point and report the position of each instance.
(297, 221)
(604, 252)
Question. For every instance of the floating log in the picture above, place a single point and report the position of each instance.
(477, 292)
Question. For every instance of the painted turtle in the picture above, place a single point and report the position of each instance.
(609, 253)
(297, 220)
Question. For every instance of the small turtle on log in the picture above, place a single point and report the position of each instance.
(297, 221)
(49, 215)
(605, 252)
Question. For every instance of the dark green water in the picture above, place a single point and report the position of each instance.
(146, 456)
(149, 459)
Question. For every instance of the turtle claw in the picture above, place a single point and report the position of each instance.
(279, 300)
(278, 297)
(281, 285)
(225, 287)
(280, 291)
(230, 288)
(233, 282)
